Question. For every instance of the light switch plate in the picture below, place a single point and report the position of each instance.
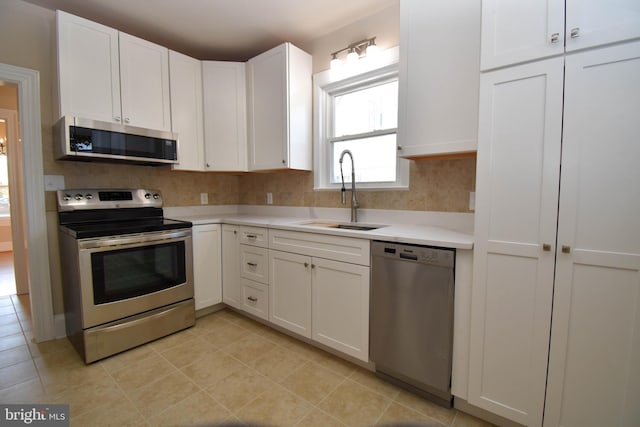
(204, 198)
(53, 182)
(472, 200)
(269, 198)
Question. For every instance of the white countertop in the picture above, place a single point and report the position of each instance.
(401, 233)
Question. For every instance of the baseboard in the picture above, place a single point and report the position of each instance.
(59, 328)
(470, 409)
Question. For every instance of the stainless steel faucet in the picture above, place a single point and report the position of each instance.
(354, 201)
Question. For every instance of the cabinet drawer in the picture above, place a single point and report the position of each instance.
(337, 248)
(254, 263)
(255, 236)
(255, 298)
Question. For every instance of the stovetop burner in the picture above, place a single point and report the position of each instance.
(91, 213)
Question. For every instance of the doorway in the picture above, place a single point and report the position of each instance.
(34, 227)
(13, 251)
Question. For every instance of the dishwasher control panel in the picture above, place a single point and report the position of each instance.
(444, 257)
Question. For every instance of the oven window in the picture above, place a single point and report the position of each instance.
(128, 273)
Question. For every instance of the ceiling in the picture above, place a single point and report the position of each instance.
(232, 30)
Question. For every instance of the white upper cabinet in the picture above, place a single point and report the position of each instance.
(519, 31)
(225, 116)
(438, 77)
(279, 109)
(186, 110)
(88, 69)
(144, 83)
(597, 22)
(111, 76)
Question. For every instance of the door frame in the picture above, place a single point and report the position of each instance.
(28, 82)
(16, 195)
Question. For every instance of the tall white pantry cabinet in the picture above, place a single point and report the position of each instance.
(555, 322)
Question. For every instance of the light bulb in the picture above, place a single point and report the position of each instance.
(352, 56)
(373, 50)
(336, 63)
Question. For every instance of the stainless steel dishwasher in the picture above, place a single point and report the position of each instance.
(411, 317)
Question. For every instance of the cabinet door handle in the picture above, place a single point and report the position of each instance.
(306, 264)
(555, 37)
(251, 236)
(546, 247)
(127, 120)
(313, 266)
(252, 264)
(252, 299)
(575, 32)
(566, 249)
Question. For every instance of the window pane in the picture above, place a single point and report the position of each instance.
(366, 110)
(374, 158)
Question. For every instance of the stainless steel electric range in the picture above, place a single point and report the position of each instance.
(127, 271)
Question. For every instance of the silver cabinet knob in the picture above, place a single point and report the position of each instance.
(555, 37)
(575, 32)
(566, 249)
(127, 120)
(117, 118)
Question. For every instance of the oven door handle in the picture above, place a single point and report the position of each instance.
(134, 239)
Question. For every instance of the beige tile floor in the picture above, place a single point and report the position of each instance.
(226, 369)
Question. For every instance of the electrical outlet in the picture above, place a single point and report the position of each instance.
(269, 198)
(204, 198)
(53, 182)
(472, 200)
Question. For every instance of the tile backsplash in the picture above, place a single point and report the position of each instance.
(435, 185)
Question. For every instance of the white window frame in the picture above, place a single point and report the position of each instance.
(325, 84)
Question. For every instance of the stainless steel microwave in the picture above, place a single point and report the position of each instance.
(93, 140)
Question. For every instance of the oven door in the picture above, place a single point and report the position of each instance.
(126, 275)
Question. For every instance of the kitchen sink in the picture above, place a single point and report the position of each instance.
(344, 226)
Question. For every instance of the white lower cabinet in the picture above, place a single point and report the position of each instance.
(290, 291)
(231, 284)
(255, 298)
(340, 306)
(207, 265)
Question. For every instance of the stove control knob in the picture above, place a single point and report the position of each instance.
(147, 196)
(66, 197)
(88, 196)
(156, 196)
(78, 196)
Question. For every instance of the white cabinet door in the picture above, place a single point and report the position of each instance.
(231, 284)
(594, 364)
(88, 69)
(225, 120)
(186, 110)
(596, 22)
(279, 109)
(340, 306)
(438, 77)
(144, 83)
(207, 265)
(516, 210)
(290, 291)
(519, 31)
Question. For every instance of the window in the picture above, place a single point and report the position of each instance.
(358, 113)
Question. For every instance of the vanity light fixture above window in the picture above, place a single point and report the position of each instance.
(355, 51)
